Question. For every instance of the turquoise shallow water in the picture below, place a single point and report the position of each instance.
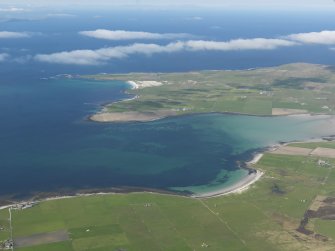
(46, 143)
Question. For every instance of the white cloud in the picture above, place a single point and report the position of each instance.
(239, 44)
(100, 56)
(77, 57)
(3, 57)
(129, 35)
(12, 9)
(10, 34)
(325, 37)
(95, 57)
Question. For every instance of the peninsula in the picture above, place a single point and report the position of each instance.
(285, 90)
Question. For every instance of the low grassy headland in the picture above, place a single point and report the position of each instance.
(290, 208)
(283, 90)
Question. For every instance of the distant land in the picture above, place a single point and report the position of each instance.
(285, 90)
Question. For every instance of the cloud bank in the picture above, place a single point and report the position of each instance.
(10, 34)
(239, 44)
(12, 9)
(130, 35)
(100, 56)
(323, 37)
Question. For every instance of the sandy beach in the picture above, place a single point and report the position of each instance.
(131, 116)
(143, 84)
(255, 160)
(238, 187)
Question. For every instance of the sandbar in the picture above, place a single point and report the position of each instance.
(131, 116)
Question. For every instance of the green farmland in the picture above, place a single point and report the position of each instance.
(287, 89)
(266, 217)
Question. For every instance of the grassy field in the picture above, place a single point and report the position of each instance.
(4, 225)
(266, 217)
(312, 145)
(325, 227)
(304, 87)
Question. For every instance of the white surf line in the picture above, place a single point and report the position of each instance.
(256, 159)
(5, 207)
(133, 84)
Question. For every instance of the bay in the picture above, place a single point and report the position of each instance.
(47, 144)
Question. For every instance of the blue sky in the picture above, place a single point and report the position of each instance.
(225, 3)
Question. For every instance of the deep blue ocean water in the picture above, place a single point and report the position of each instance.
(47, 143)
(55, 34)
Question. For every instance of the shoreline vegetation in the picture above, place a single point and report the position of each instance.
(293, 89)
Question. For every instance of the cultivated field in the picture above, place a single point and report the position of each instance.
(291, 208)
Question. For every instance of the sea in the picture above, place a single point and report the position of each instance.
(47, 143)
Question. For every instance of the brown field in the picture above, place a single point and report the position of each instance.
(323, 152)
(38, 239)
(283, 111)
(291, 150)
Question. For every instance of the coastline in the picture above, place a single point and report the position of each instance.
(94, 192)
(104, 116)
(235, 188)
(243, 184)
(141, 80)
(108, 117)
